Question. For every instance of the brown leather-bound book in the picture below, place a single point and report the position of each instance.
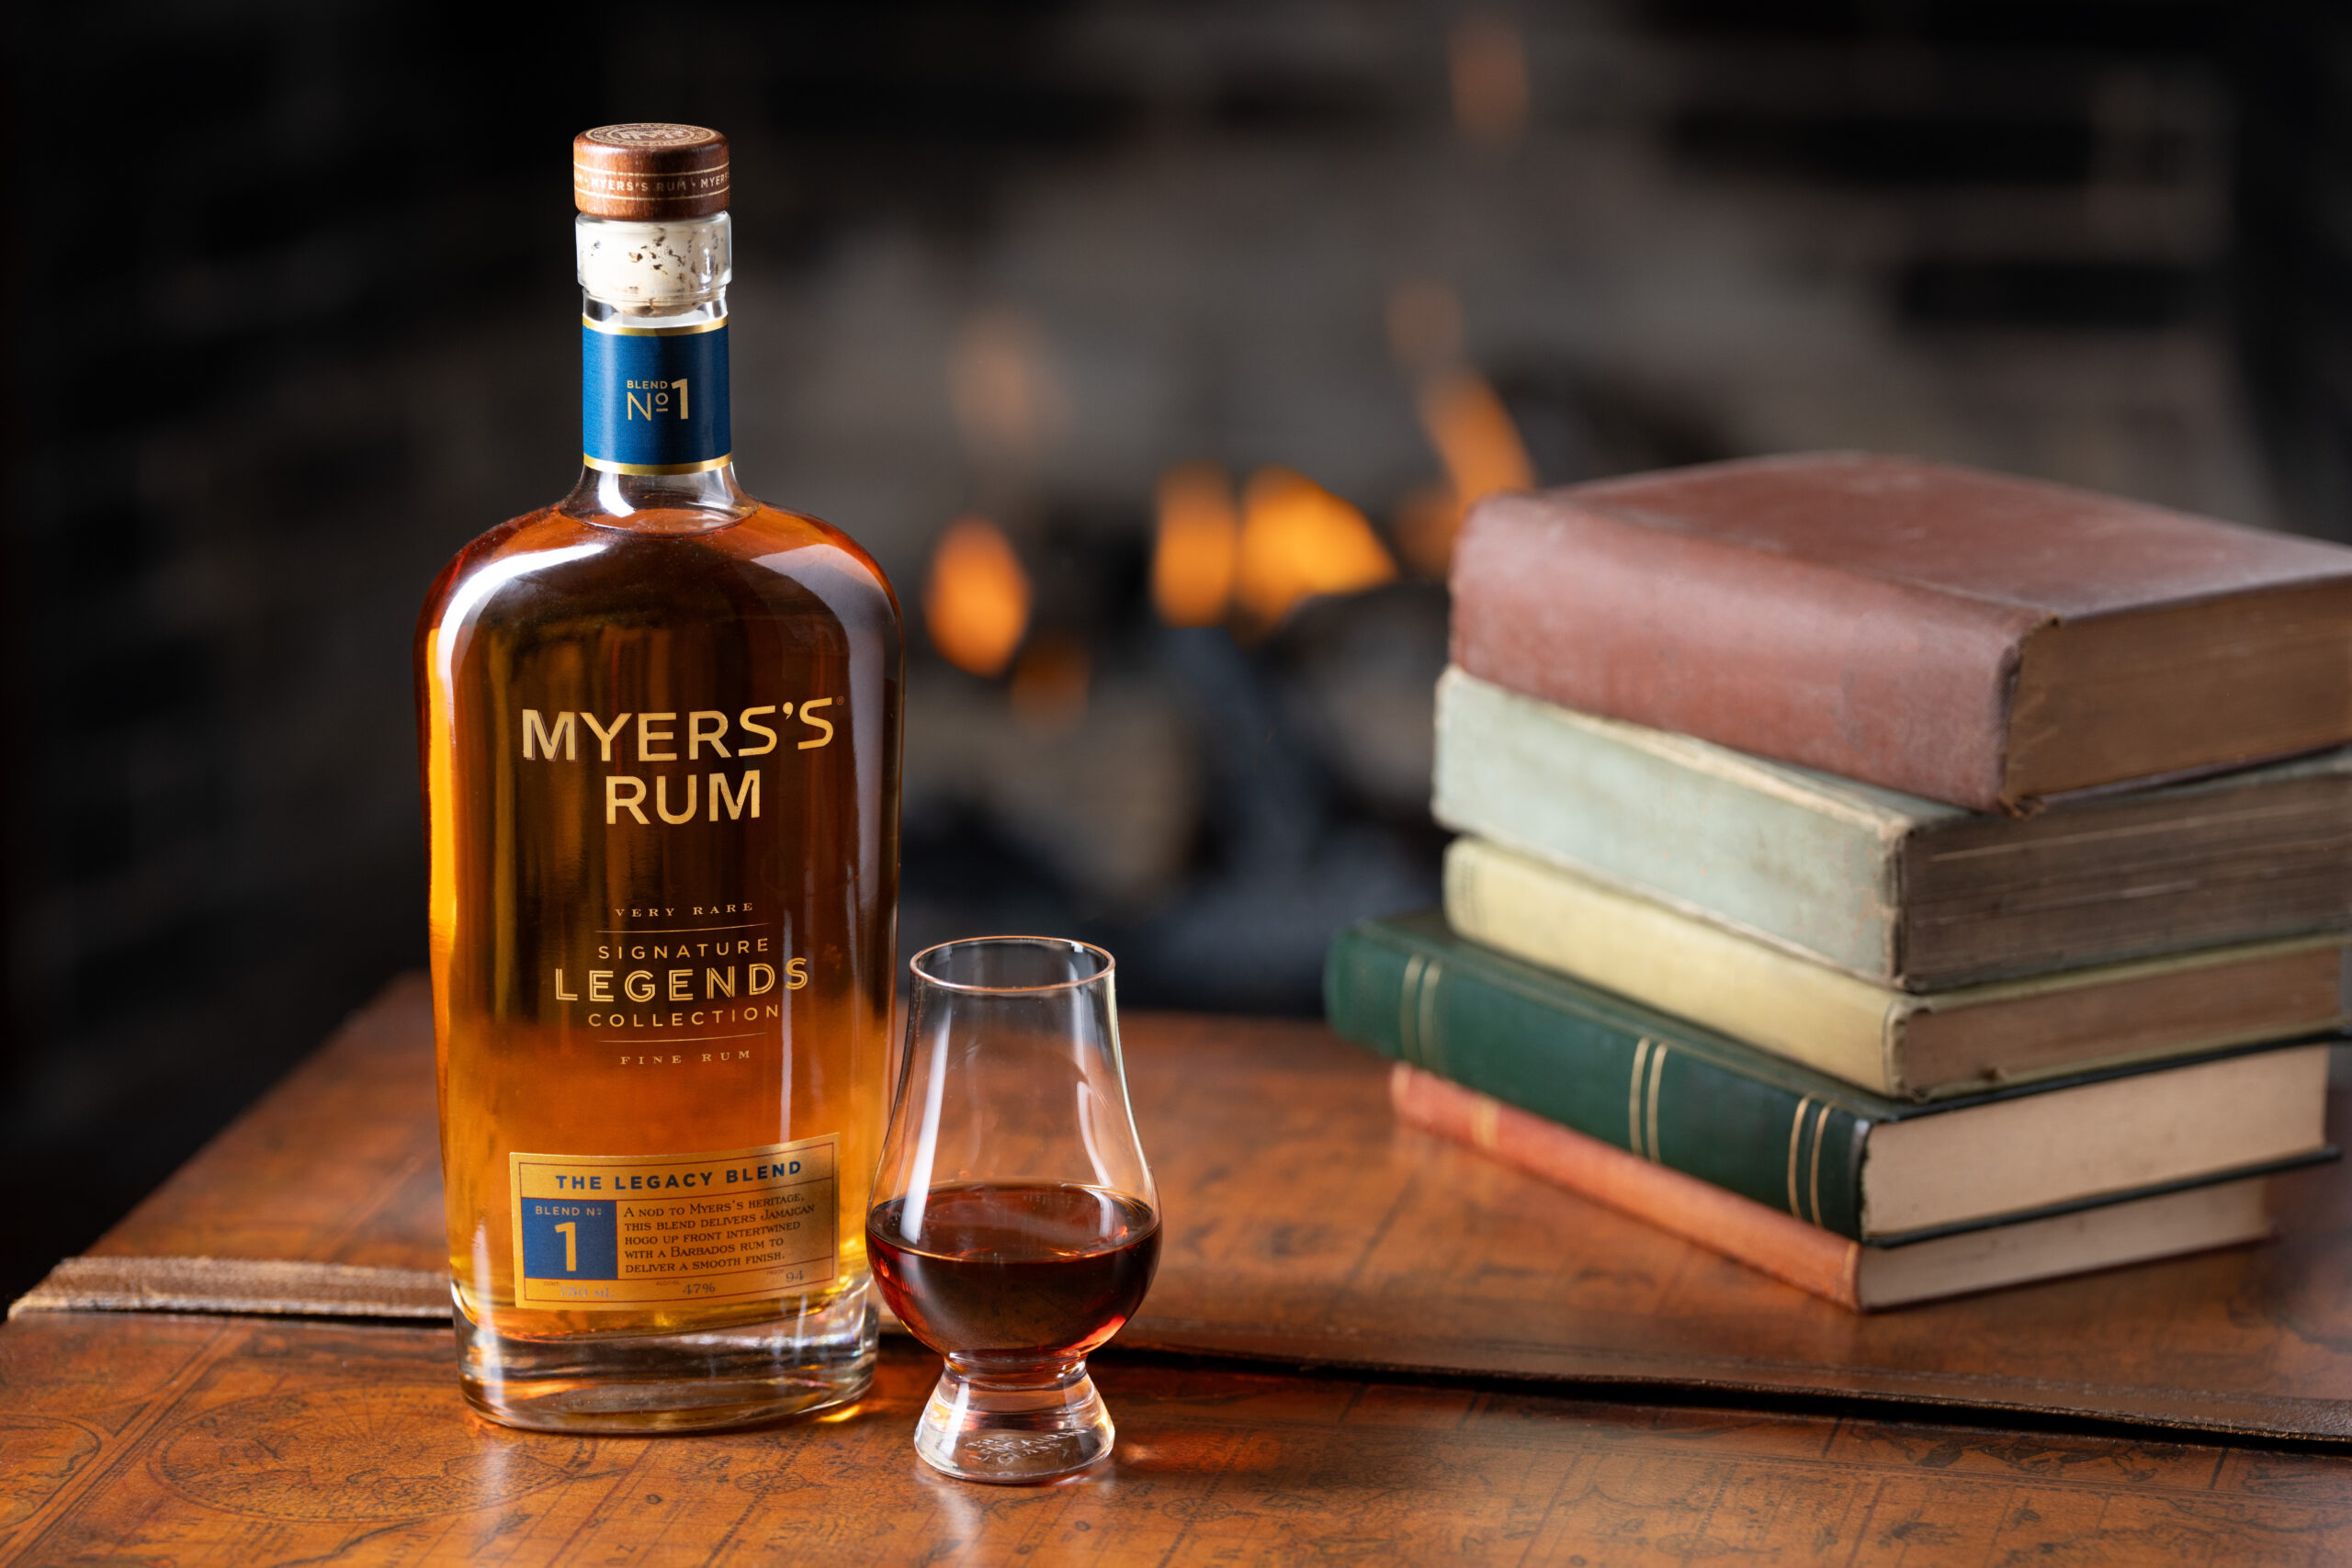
(1858, 1277)
(1967, 636)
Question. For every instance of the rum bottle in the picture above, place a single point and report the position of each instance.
(659, 733)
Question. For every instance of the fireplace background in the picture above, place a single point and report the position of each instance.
(294, 316)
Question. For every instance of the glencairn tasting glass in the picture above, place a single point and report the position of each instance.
(1014, 1227)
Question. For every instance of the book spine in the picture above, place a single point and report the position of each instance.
(1680, 821)
(1739, 1228)
(1864, 677)
(1572, 925)
(1787, 1150)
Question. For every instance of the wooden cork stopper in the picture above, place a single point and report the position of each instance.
(650, 173)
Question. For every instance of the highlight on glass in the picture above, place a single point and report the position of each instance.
(1015, 1226)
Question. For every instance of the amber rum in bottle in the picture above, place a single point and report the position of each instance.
(661, 747)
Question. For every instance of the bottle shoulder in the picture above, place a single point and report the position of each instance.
(553, 563)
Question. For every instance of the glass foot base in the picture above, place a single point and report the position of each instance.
(647, 1384)
(1015, 1431)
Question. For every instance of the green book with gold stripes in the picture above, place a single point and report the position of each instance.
(1863, 1165)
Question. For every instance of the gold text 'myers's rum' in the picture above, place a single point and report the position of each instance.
(661, 745)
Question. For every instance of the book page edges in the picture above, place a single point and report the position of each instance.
(2141, 1230)
(1994, 991)
(1746, 1232)
(2082, 1141)
(2161, 691)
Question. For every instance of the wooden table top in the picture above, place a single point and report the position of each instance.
(1513, 1327)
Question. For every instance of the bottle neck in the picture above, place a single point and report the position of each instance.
(656, 439)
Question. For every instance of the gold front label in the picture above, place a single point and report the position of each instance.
(636, 1230)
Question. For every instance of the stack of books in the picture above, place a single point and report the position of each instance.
(1905, 879)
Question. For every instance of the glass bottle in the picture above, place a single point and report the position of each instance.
(659, 733)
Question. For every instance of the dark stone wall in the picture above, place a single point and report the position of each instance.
(2292, 62)
(259, 403)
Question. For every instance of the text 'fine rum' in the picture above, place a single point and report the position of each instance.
(660, 724)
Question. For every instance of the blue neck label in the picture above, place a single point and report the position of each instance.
(653, 399)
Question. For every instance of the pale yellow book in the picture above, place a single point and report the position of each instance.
(1915, 1045)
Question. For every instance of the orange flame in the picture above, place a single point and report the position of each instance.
(1298, 539)
(1472, 431)
(975, 601)
(1199, 542)
(1474, 435)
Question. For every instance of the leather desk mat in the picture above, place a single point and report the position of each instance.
(1306, 1228)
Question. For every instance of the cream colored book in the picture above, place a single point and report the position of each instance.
(1912, 1046)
